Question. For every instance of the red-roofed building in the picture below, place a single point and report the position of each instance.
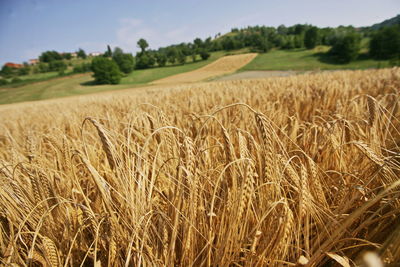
(14, 65)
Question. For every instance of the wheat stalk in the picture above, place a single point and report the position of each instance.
(276, 172)
(107, 145)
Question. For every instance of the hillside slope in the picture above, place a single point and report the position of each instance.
(388, 22)
(224, 65)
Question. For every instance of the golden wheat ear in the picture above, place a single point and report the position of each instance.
(105, 141)
(51, 252)
(292, 171)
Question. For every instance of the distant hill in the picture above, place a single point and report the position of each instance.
(388, 22)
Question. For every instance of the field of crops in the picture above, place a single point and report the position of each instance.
(221, 66)
(272, 172)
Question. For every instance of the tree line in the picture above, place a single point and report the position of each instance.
(345, 43)
(49, 61)
(110, 67)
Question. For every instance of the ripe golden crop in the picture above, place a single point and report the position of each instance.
(270, 172)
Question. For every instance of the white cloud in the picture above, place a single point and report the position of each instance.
(131, 30)
(177, 34)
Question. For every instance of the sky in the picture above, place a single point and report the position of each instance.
(29, 27)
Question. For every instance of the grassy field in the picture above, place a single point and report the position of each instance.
(48, 85)
(39, 76)
(302, 59)
(34, 78)
(54, 88)
(294, 171)
(149, 75)
(78, 84)
(221, 66)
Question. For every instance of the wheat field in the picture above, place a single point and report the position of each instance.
(221, 66)
(291, 171)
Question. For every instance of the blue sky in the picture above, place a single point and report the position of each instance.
(29, 27)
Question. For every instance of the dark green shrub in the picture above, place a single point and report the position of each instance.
(82, 68)
(346, 48)
(105, 71)
(3, 82)
(385, 44)
(124, 61)
(204, 54)
(311, 38)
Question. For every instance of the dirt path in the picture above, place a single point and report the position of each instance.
(224, 65)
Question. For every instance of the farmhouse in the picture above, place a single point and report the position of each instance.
(95, 54)
(33, 61)
(14, 65)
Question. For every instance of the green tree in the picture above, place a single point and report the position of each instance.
(278, 40)
(185, 49)
(216, 45)
(311, 38)
(289, 42)
(24, 71)
(108, 53)
(207, 44)
(385, 44)
(42, 67)
(142, 43)
(7, 71)
(298, 41)
(282, 29)
(261, 43)
(124, 61)
(81, 68)
(144, 60)
(49, 56)
(3, 81)
(57, 65)
(105, 71)
(326, 35)
(81, 53)
(118, 51)
(228, 43)
(181, 57)
(172, 55)
(161, 59)
(67, 56)
(346, 48)
(204, 54)
(300, 28)
(194, 55)
(198, 43)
